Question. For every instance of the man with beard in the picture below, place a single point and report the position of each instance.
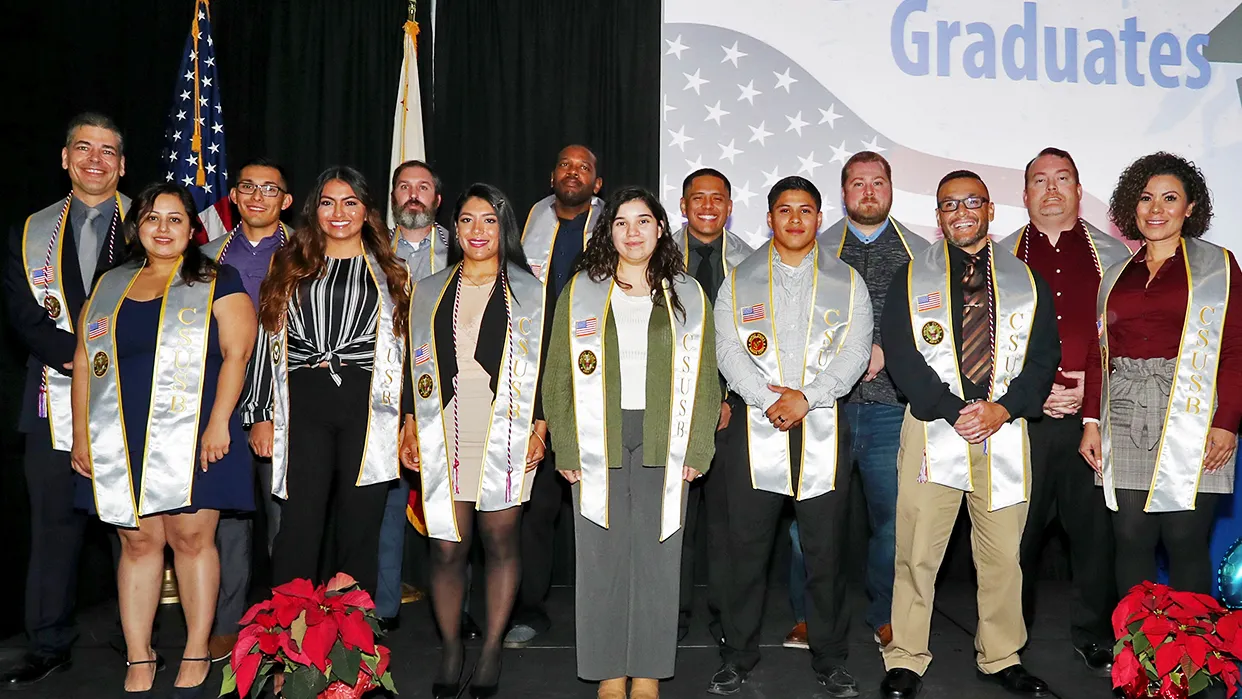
(555, 234)
(423, 245)
(710, 252)
(974, 351)
(53, 262)
(872, 242)
(1071, 255)
(260, 193)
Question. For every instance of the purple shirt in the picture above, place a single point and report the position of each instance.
(251, 261)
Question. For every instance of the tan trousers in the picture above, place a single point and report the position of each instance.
(926, 513)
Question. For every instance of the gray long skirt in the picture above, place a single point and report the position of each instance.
(628, 581)
(1139, 402)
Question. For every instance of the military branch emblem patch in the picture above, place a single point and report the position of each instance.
(933, 333)
(587, 362)
(99, 364)
(756, 344)
(425, 385)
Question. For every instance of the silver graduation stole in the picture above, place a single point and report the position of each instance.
(215, 248)
(946, 459)
(754, 322)
(379, 457)
(43, 242)
(171, 454)
(735, 251)
(914, 244)
(589, 306)
(1106, 249)
(1192, 399)
(509, 424)
(539, 234)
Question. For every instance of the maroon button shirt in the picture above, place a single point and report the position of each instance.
(1145, 320)
(1070, 269)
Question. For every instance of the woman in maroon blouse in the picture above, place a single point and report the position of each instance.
(1165, 331)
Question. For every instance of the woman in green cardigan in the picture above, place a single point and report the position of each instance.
(632, 421)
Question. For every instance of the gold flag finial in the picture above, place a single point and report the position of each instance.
(412, 8)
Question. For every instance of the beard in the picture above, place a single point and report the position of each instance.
(413, 217)
(572, 197)
(873, 215)
(979, 234)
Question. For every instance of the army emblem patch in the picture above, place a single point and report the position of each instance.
(587, 362)
(933, 332)
(99, 364)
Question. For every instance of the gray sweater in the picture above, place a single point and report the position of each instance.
(877, 262)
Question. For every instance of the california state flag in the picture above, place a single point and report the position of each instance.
(407, 122)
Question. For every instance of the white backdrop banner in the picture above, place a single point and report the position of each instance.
(761, 90)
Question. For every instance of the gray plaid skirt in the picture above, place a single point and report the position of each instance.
(1139, 398)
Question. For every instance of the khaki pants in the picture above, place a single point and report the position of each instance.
(926, 513)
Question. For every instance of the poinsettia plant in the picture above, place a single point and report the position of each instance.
(1173, 644)
(321, 639)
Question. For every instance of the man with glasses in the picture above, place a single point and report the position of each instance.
(974, 351)
(260, 193)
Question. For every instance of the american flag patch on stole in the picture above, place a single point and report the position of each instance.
(927, 302)
(96, 329)
(42, 276)
(422, 354)
(586, 328)
(753, 313)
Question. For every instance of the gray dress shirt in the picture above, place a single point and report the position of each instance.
(417, 256)
(791, 291)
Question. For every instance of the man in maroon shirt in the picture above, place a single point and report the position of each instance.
(1070, 255)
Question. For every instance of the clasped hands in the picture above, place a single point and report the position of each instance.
(407, 445)
(980, 420)
(1063, 401)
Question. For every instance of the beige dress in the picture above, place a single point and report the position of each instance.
(472, 402)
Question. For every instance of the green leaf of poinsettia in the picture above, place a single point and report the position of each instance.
(1199, 682)
(344, 664)
(304, 683)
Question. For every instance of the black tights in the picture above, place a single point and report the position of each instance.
(503, 571)
(1185, 536)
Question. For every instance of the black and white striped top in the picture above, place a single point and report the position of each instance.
(332, 319)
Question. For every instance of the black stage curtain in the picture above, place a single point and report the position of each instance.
(517, 81)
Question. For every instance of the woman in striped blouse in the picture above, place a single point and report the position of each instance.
(325, 388)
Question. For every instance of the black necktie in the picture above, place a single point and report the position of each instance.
(704, 272)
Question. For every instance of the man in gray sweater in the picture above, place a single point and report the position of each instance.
(870, 241)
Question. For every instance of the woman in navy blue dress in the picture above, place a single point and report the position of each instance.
(164, 268)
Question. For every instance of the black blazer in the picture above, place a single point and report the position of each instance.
(489, 350)
(48, 345)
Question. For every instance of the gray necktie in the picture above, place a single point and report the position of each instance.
(88, 249)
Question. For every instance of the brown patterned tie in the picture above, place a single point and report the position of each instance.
(976, 324)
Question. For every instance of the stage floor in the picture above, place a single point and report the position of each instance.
(546, 670)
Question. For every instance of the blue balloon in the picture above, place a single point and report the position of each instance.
(1229, 577)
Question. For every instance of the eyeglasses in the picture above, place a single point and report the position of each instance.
(950, 205)
(269, 190)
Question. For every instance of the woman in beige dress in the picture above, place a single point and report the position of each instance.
(476, 433)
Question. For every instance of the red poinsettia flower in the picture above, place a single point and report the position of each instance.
(1196, 648)
(1168, 658)
(384, 657)
(1157, 627)
(1126, 668)
(1227, 626)
(264, 606)
(358, 598)
(319, 640)
(245, 672)
(340, 581)
(1170, 689)
(356, 632)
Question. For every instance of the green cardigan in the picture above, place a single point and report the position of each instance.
(558, 394)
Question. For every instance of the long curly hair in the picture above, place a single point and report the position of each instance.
(1123, 207)
(302, 258)
(195, 266)
(600, 258)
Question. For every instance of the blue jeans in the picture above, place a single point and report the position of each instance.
(875, 430)
(797, 575)
(392, 551)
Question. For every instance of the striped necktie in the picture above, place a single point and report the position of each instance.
(976, 323)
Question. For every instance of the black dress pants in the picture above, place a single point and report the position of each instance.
(538, 545)
(1063, 482)
(707, 526)
(754, 516)
(1186, 537)
(327, 435)
(55, 546)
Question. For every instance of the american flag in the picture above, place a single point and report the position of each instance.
(96, 328)
(42, 276)
(194, 149)
(422, 354)
(585, 328)
(927, 302)
(752, 313)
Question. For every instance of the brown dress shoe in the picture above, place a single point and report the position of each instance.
(797, 637)
(612, 689)
(644, 688)
(884, 635)
(221, 647)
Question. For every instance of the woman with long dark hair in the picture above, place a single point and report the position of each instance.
(476, 336)
(325, 390)
(1162, 400)
(167, 335)
(633, 420)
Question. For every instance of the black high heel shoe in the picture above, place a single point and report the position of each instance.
(486, 691)
(158, 662)
(450, 690)
(197, 690)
